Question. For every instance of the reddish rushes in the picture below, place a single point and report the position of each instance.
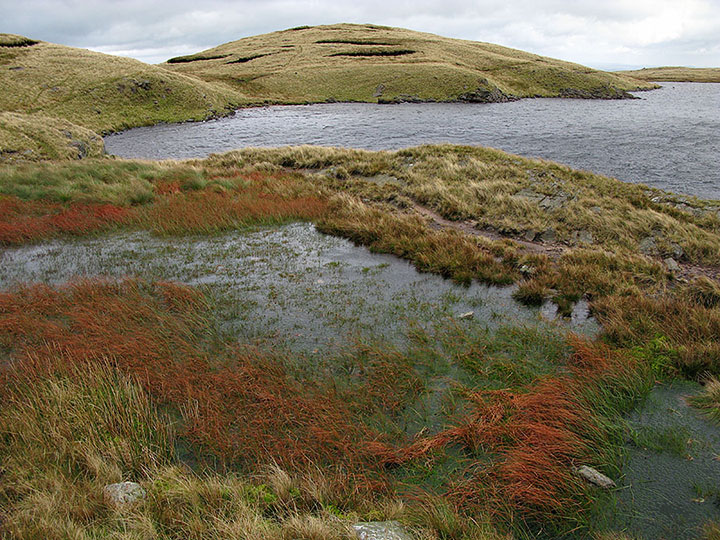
(27, 221)
(238, 405)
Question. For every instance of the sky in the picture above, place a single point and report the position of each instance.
(605, 34)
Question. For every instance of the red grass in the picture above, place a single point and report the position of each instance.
(26, 221)
(535, 438)
(207, 211)
(240, 405)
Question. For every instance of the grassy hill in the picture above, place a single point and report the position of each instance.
(99, 91)
(26, 137)
(675, 74)
(349, 62)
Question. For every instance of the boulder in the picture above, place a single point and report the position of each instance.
(123, 494)
(381, 530)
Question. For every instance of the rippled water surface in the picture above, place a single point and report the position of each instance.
(670, 138)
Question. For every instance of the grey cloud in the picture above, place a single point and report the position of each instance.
(642, 32)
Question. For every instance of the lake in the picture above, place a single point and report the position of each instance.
(669, 138)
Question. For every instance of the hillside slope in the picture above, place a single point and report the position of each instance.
(349, 62)
(99, 91)
(31, 137)
(674, 74)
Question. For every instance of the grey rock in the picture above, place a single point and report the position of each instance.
(671, 264)
(530, 235)
(123, 493)
(381, 530)
(468, 315)
(583, 237)
(676, 251)
(548, 236)
(595, 477)
(379, 90)
(648, 246)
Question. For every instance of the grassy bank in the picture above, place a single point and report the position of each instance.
(459, 433)
(351, 62)
(26, 137)
(674, 74)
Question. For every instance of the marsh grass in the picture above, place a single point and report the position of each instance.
(493, 424)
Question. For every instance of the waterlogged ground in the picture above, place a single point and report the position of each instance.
(290, 286)
(671, 485)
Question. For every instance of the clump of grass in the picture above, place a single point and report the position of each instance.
(688, 330)
(708, 400)
(704, 291)
(673, 440)
(531, 293)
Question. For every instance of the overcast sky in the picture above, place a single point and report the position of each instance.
(605, 34)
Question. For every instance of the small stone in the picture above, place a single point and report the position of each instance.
(671, 264)
(379, 90)
(595, 477)
(548, 236)
(122, 494)
(648, 246)
(676, 251)
(380, 530)
(468, 315)
(530, 235)
(585, 237)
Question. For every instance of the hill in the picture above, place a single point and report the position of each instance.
(349, 62)
(99, 91)
(674, 74)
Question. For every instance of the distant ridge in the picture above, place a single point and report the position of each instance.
(674, 74)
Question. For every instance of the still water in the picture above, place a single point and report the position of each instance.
(669, 138)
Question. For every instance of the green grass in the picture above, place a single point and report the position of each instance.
(352, 62)
(674, 74)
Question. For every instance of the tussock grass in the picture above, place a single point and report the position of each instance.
(513, 195)
(441, 252)
(674, 74)
(314, 64)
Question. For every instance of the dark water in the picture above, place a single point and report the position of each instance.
(669, 491)
(291, 285)
(670, 138)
